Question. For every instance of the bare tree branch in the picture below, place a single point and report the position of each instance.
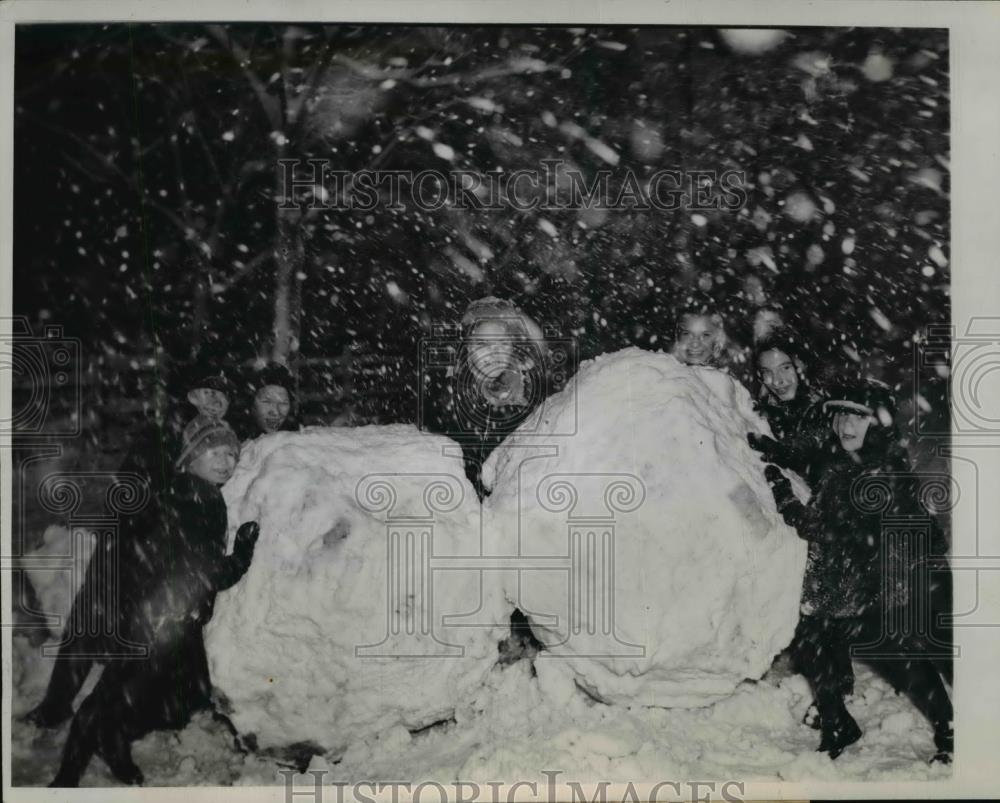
(268, 103)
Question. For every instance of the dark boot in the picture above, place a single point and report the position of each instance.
(944, 741)
(837, 726)
(56, 707)
(921, 682)
(116, 750)
(48, 715)
(80, 746)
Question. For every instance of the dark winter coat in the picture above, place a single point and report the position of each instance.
(844, 524)
(168, 591)
(785, 417)
(168, 585)
(150, 458)
(173, 578)
(803, 439)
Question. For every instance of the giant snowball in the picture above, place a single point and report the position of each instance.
(650, 557)
(335, 633)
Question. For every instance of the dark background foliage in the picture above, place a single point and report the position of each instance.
(147, 179)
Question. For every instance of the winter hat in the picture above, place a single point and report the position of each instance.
(272, 373)
(207, 378)
(787, 342)
(204, 372)
(505, 312)
(203, 433)
(863, 398)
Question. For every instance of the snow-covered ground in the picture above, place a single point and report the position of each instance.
(756, 734)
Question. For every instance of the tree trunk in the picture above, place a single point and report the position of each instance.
(199, 311)
(289, 261)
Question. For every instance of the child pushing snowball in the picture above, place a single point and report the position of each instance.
(859, 578)
(167, 590)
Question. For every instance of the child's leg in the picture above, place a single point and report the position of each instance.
(68, 676)
(820, 654)
(913, 672)
(920, 681)
(81, 744)
(102, 726)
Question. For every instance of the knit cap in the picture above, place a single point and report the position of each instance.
(203, 433)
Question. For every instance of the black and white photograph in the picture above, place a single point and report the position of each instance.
(429, 407)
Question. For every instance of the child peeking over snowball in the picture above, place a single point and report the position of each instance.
(860, 577)
(498, 378)
(167, 589)
(700, 336)
(268, 403)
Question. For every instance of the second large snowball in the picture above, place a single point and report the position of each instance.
(655, 566)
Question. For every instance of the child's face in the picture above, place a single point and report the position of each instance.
(210, 402)
(270, 407)
(851, 429)
(216, 465)
(777, 372)
(697, 339)
(490, 348)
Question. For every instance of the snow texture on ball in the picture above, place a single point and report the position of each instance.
(662, 573)
(335, 633)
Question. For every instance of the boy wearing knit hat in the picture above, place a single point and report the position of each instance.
(157, 446)
(152, 458)
(167, 586)
(209, 449)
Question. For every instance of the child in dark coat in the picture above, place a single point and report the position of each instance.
(168, 588)
(856, 580)
(791, 404)
(151, 458)
(499, 378)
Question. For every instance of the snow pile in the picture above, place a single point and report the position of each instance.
(660, 571)
(305, 647)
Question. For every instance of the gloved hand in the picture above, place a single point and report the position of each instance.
(781, 488)
(246, 536)
(773, 475)
(768, 447)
